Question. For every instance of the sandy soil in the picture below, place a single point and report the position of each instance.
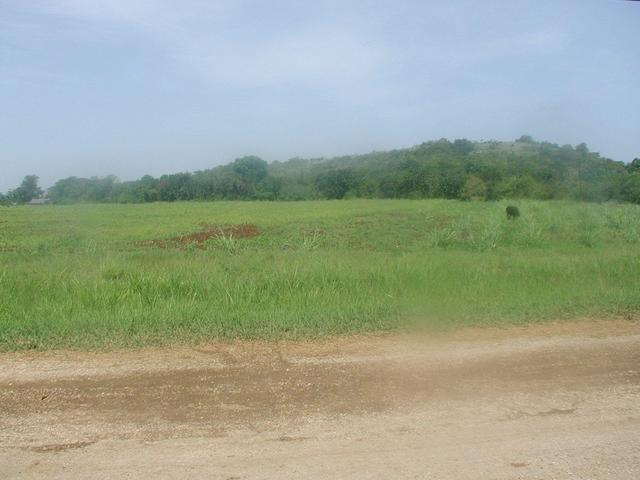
(554, 401)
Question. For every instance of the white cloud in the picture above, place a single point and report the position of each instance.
(323, 57)
(466, 51)
(142, 12)
(196, 35)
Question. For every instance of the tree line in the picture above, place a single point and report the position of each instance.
(459, 169)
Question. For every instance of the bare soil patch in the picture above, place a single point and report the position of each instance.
(210, 231)
(553, 401)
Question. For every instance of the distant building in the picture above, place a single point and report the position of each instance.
(39, 201)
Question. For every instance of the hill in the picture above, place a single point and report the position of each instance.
(460, 169)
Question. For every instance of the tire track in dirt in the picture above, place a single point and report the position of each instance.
(564, 397)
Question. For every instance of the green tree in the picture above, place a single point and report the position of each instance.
(474, 189)
(250, 169)
(582, 148)
(27, 191)
(523, 186)
(335, 184)
(630, 190)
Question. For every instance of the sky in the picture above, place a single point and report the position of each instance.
(134, 87)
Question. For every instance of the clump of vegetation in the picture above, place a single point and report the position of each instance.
(85, 276)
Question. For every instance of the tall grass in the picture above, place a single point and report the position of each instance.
(75, 276)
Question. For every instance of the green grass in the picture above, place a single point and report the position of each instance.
(73, 276)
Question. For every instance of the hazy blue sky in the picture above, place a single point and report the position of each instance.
(156, 86)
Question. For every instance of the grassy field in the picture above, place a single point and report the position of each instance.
(87, 276)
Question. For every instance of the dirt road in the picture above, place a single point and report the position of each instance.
(554, 401)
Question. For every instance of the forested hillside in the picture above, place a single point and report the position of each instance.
(438, 169)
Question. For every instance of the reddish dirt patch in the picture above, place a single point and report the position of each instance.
(243, 230)
(444, 221)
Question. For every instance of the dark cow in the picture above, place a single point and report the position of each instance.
(512, 212)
